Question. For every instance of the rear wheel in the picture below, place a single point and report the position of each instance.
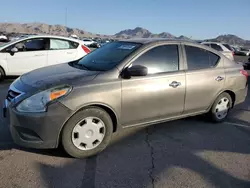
(87, 133)
(2, 74)
(221, 107)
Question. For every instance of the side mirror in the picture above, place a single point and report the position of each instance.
(13, 50)
(137, 70)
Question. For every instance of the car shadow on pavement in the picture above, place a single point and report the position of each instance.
(146, 158)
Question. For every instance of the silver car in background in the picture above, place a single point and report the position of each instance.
(223, 48)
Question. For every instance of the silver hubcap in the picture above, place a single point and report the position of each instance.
(221, 108)
(88, 133)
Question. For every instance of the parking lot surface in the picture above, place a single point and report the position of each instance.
(186, 153)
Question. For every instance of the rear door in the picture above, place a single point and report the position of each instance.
(154, 96)
(32, 54)
(61, 51)
(205, 78)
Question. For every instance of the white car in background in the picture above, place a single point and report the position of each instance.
(245, 51)
(3, 38)
(88, 42)
(26, 54)
(221, 48)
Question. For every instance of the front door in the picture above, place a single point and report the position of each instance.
(205, 78)
(155, 96)
(32, 54)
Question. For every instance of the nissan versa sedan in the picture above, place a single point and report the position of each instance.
(124, 84)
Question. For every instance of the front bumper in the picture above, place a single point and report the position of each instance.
(38, 130)
(241, 95)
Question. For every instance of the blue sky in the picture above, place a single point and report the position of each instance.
(197, 18)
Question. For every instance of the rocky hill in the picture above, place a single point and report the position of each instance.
(231, 39)
(138, 32)
(41, 28)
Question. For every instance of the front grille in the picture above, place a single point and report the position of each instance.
(12, 94)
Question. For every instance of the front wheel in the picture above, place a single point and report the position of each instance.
(87, 133)
(2, 75)
(221, 107)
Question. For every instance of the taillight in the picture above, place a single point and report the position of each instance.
(87, 50)
(233, 53)
(244, 73)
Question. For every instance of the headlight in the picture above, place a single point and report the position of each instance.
(39, 101)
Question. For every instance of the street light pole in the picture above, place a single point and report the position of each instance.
(66, 12)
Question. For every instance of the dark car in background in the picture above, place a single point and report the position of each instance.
(238, 52)
(95, 44)
(247, 64)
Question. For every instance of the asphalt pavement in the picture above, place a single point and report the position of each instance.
(186, 153)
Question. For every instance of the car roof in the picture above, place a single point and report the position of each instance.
(154, 40)
(212, 43)
(49, 36)
(149, 41)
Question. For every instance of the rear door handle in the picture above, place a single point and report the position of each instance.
(70, 52)
(40, 55)
(175, 84)
(219, 78)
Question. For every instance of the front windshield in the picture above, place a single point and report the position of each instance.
(108, 56)
(6, 44)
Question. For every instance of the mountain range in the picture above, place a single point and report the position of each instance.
(138, 32)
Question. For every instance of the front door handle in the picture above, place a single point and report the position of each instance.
(219, 78)
(40, 55)
(175, 84)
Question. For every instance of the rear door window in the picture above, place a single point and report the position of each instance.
(198, 58)
(59, 44)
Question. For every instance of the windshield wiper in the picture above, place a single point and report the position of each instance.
(78, 65)
(81, 65)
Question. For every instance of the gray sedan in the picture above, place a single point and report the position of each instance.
(123, 84)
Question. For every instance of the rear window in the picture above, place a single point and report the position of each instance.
(108, 56)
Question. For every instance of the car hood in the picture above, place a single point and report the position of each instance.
(47, 77)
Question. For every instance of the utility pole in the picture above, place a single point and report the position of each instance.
(66, 14)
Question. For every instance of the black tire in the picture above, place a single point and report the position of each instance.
(67, 142)
(212, 112)
(2, 74)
